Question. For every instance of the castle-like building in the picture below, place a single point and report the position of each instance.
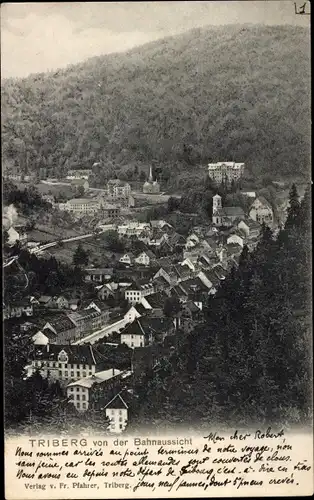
(225, 171)
(151, 186)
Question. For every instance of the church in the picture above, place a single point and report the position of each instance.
(151, 186)
(225, 216)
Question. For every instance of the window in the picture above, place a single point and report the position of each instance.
(78, 397)
(72, 374)
(120, 426)
(83, 397)
(112, 412)
(77, 389)
(60, 373)
(66, 373)
(84, 374)
(120, 419)
(71, 389)
(120, 412)
(78, 406)
(84, 406)
(60, 365)
(77, 374)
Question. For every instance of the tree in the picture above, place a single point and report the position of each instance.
(294, 207)
(171, 307)
(80, 256)
(80, 191)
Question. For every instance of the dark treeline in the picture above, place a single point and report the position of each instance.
(250, 361)
(25, 200)
(31, 275)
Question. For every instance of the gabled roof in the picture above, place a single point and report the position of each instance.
(77, 354)
(191, 306)
(44, 299)
(156, 300)
(98, 378)
(59, 322)
(262, 200)
(117, 402)
(233, 211)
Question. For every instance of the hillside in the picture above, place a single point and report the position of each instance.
(234, 92)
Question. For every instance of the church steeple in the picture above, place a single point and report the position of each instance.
(150, 178)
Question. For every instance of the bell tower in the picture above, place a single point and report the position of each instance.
(217, 205)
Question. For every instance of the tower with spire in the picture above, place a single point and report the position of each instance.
(151, 186)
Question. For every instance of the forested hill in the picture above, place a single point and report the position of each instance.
(233, 92)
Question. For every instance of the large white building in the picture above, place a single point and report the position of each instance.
(82, 206)
(79, 174)
(225, 171)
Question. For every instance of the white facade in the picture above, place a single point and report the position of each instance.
(143, 259)
(118, 419)
(131, 315)
(79, 396)
(135, 295)
(133, 340)
(126, 259)
(225, 171)
(235, 238)
(82, 206)
(78, 174)
(261, 212)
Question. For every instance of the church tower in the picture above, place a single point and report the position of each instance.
(217, 206)
(150, 178)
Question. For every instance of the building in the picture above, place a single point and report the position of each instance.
(79, 174)
(145, 258)
(225, 216)
(118, 189)
(225, 171)
(236, 238)
(82, 392)
(82, 206)
(249, 228)
(65, 363)
(146, 330)
(127, 258)
(98, 274)
(110, 211)
(133, 229)
(18, 309)
(261, 211)
(117, 411)
(62, 327)
(136, 291)
(151, 186)
(88, 320)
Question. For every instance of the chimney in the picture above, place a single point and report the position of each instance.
(113, 372)
(48, 347)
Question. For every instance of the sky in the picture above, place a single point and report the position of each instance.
(38, 37)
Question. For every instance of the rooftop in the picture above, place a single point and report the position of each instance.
(98, 378)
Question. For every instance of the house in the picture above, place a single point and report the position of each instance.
(73, 304)
(192, 241)
(99, 275)
(145, 258)
(61, 302)
(191, 311)
(82, 391)
(146, 330)
(62, 327)
(110, 211)
(161, 224)
(137, 290)
(46, 301)
(236, 238)
(261, 211)
(155, 301)
(157, 239)
(106, 291)
(249, 227)
(13, 236)
(177, 241)
(40, 338)
(117, 411)
(249, 194)
(134, 312)
(65, 363)
(18, 308)
(134, 229)
(127, 258)
(100, 307)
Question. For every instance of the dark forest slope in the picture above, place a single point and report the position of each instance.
(227, 93)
